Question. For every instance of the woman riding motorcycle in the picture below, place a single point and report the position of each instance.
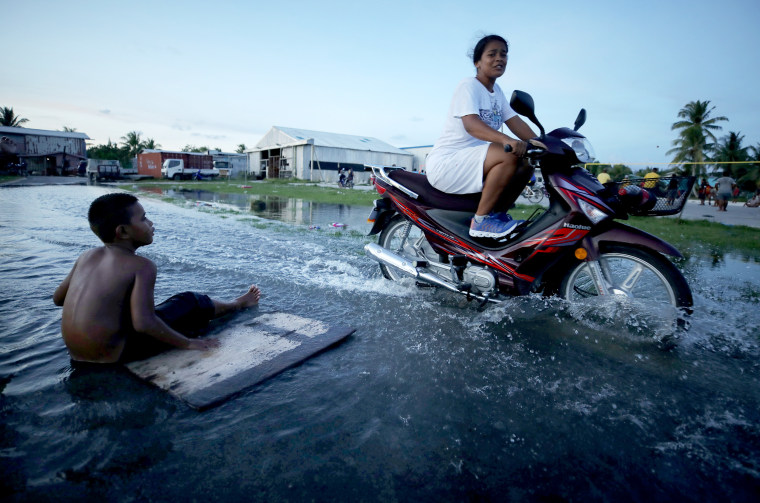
(470, 157)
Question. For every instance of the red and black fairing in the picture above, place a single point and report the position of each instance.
(445, 220)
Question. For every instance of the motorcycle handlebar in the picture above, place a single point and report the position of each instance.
(532, 150)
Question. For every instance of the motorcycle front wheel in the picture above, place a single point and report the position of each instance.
(657, 289)
(405, 239)
(631, 272)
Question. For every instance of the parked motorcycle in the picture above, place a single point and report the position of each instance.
(346, 182)
(534, 191)
(574, 249)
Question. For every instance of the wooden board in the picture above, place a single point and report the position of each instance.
(249, 354)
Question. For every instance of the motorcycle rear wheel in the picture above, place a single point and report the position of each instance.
(413, 246)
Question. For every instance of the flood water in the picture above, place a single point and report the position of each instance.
(429, 400)
(313, 215)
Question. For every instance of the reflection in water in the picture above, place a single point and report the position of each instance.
(284, 209)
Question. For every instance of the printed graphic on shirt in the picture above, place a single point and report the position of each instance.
(492, 117)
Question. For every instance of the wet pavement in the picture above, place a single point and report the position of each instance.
(34, 181)
(736, 214)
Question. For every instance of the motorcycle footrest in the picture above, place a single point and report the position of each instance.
(464, 287)
(422, 284)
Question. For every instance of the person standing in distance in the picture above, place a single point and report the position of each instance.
(469, 155)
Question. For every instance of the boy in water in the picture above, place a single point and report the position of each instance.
(107, 298)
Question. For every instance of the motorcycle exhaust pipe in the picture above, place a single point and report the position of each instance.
(406, 266)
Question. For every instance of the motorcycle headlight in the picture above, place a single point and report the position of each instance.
(582, 148)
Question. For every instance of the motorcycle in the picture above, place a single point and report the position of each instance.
(574, 249)
(346, 182)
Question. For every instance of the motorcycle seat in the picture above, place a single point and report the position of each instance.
(433, 197)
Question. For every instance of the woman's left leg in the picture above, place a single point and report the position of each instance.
(504, 178)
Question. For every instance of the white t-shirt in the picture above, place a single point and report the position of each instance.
(455, 164)
(725, 185)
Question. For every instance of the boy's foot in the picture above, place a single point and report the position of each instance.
(250, 298)
(493, 226)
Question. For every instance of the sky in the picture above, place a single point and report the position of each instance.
(222, 73)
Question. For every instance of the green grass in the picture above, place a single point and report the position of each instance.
(698, 236)
(298, 189)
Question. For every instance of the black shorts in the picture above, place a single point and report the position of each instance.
(188, 313)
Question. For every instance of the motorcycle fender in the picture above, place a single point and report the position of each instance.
(381, 214)
(621, 233)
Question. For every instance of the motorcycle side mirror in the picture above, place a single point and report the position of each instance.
(522, 103)
(580, 120)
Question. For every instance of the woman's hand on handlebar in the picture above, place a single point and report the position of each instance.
(537, 144)
(517, 147)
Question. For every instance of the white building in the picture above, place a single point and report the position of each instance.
(315, 155)
(420, 156)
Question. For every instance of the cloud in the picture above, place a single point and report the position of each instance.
(211, 136)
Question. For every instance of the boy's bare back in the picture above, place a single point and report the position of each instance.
(108, 295)
(97, 314)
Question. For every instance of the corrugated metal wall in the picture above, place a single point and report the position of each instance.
(334, 157)
(44, 145)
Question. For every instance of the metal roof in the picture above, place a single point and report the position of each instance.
(296, 136)
(42, 132)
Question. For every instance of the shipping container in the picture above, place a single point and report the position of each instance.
(150, 161)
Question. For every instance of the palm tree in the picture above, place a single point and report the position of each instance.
(730, 148)
(241, 148)
(689, 148)
(10, 119)
(695, 130)
(132, 143)
(751, 180)
(150, 144)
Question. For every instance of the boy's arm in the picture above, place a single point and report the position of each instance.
(60, 293)
(145, 320)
